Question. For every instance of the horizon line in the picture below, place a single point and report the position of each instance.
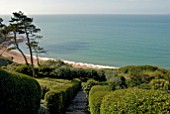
(96, 14)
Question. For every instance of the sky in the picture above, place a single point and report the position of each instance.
(85, 6)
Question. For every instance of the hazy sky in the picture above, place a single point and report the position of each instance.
(85, 6)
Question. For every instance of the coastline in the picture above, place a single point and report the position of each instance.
(18, 59)
(81, 64)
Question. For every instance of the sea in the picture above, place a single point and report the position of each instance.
(106, 39)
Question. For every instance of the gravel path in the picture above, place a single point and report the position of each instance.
(78, 105)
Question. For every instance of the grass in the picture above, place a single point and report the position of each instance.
(52, 83)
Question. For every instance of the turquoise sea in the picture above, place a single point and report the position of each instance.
(114, 40)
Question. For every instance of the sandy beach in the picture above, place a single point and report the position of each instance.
(16, 56)
(19, 59)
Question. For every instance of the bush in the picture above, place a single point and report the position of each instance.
(54, 101)
(5, 61)
(161, 84)
(19, 94)
(24, 69)
(58, 98)
(137, 75)
(135, 69)
(95, 101)
(96, 95)
(88, 85)
(145, 86)
(99, 88)
(63, 72)
(133, 101)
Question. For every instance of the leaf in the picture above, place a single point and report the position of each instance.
(11, 48)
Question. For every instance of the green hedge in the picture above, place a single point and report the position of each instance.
(54, 101)
(19, 94)
(134, 101)
(99, 88)
(88, 85)
(96, 95)
(58, 98)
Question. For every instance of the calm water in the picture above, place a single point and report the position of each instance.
(115, 40)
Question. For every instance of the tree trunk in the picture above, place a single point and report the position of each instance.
(31, 55)
(38, 62)
(17, 46)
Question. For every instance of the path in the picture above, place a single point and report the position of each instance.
(78, 104)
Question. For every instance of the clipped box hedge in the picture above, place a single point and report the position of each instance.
(96, 95)
(58, 98)
(134, 101)
(99, 88)
(19, 94)
(54, 101)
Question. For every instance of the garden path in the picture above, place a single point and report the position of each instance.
(79, 104)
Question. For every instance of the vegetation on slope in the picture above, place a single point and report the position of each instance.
(4, 61)
(57, 93)
(135, 101)
(19, 94)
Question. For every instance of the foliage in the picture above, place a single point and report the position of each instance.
(137, 75)
(19, 94)
(59, 93)
(95, 101)
(25, 69)
(96, 95)
(88, 85)
(160, 84)
(145, 86)
(4, 61)
(54, 101)
(132, 101)
(99, 88)
(58, 69)
(25, 26)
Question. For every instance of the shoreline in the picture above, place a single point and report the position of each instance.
(81, 64)
(17, 57)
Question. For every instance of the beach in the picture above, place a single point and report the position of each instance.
(16, 57)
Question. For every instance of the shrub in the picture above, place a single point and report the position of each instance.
(137, 75)
(19, 94)
(161, 84)
(95, 101)
(132, 101)
(96, 95)
(145, 86)
(135, 69)
(99, 88)
(88, 85)
(63, 72)
(4, 61)
(58, 98)
(24, 69)
(54, 101)
(44, 71)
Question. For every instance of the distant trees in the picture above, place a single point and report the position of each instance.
(21, 29)
(3, 35)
